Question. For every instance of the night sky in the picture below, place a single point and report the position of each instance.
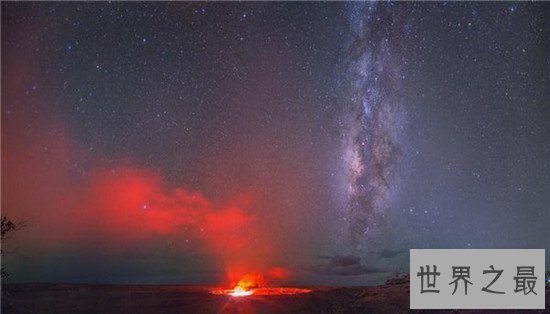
(313, 142)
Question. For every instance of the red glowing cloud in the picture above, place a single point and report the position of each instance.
(126, 205)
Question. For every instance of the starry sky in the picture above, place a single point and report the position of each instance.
(315, 143)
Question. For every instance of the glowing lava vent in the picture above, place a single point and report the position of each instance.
(246, 287)
(240, 292)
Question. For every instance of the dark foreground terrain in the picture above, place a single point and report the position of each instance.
(392, 297)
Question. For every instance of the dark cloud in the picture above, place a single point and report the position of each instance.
(388, 253)
(342, 265)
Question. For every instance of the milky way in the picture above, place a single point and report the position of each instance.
(374, 117)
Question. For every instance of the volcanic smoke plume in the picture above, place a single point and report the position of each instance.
(130, 205)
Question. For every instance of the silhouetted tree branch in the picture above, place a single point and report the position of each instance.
(7, 227)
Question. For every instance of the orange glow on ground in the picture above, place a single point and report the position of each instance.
(274, 291)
